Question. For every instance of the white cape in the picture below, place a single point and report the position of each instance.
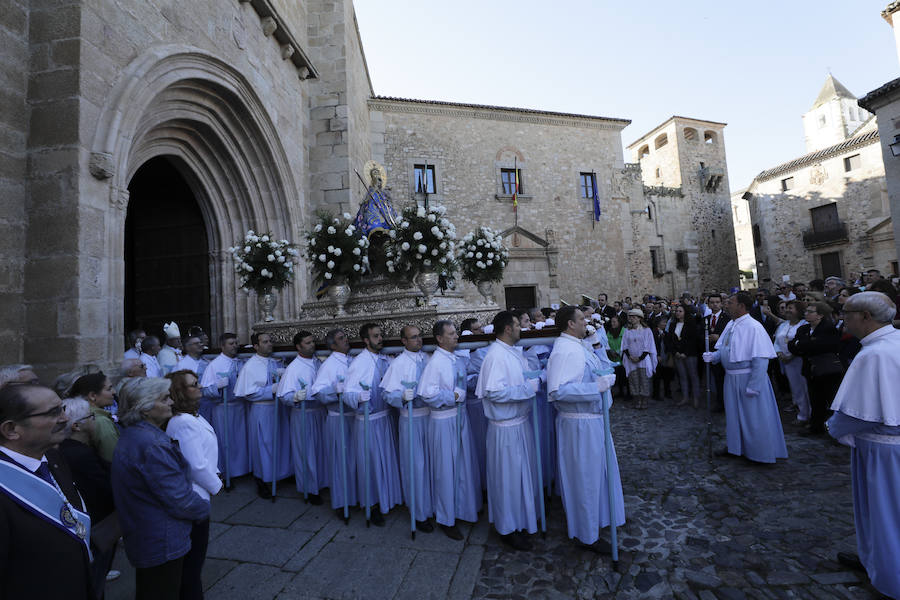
(253, 376)
(869, 389)
(566, 364)
(403, 368)
(747, 339)
(503, 367)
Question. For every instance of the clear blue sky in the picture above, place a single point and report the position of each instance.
(757, 66)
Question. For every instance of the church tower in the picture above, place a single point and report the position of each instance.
(834, 116)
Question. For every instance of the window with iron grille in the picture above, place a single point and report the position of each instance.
(508, 179)
(587, 185)
(424, 178)
(681, 260)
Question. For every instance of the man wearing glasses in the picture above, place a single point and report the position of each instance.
(43, 520)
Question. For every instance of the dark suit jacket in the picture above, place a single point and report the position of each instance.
(37, 560)
(824, 340)
(721, 322)
(689, 343)
(770, 324)
(607, 312)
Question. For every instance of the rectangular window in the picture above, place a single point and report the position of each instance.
(587, 185)
(424, 179)
(508, 179)
(787, 184)
(825, 218)
(655, 264)
(852, 162)
(831, 264)
(681, 260)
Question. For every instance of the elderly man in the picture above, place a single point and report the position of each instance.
(135, 339)
(512, 481)
(399, 388)
(44, 525)
(327, 390)
(132, 367)
(867, 418)
(218, 383)
(454, 470)
(18, 374)
(751, 412)
(364, 386)
(577, 391)
(149, 352)
(193, 358)
(307, 419)
(256, 383)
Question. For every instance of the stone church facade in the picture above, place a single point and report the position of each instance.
(140, 139)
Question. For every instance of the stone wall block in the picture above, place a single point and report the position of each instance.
(336, 196)
(317, 152)
(50, 277)
(47, 325)
(65, 53)
(54, 123)
(337, 124)
(329, 138)
(54, 24)
(50, 85)
(322, 112)
(14, 18)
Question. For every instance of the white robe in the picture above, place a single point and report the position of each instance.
(229, 423)
(268, 432)
(307, 426)
(168, 357)
(152, 364)
(333, 369)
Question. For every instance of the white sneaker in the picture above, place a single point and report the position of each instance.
(113, 575)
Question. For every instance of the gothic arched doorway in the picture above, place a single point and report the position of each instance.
(166, 251)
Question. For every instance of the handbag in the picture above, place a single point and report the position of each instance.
(825, 364)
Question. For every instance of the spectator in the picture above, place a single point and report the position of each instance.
(818, 343)
(684, 343)
(639, 356)
(614, 334)
(844, 294)
(18, 374)
(200, 448)
(153, 490)
(97, 390)
(663, 374)
(792, 366)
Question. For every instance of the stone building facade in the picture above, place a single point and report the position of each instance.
(834, 196)
(139, 139)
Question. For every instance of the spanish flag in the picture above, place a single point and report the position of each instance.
(516, 188)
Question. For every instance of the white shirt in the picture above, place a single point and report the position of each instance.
(131, 353)
(200, 448)
(29, 463)
(153, 369)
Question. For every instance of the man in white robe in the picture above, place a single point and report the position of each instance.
(512, 486)
(256, 384)
(752, 419)
(326, 390)
(399, 389)
(307, 419)
(364, 386)
(170, 354)
(455, 481)
(149, 352)
(578, 393)
(867, 418)
(228, 420)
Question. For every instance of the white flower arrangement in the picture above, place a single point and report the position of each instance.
(482, 256)
(263, 263)
(337, 249)
(425, 240)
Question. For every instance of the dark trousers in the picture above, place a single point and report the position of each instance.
(822, 390)
(162, 582)
(662, 378)
(622, 381)
(718, 378)
(191, 580)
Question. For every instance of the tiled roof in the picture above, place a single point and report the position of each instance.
(832, 89)
(869, 137)
(491, 107)
(867, 101)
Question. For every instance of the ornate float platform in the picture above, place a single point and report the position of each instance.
(387, 304)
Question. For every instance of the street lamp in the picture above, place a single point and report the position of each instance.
(895, 146)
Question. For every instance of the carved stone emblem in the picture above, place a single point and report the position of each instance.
(818, 174)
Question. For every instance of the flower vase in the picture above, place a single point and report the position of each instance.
(427, 280)
(486, 289)
(339, 293)
(267, 300)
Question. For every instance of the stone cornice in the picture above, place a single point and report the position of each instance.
(495, 113)
(274, 25)
(661, 190)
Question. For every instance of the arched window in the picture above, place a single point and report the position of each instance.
(644, 151)
(709, 137)
(661, 141)
(690, 134)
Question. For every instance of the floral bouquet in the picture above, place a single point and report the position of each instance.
(482, 256)
(424, 240)
(264, 263)
(336, 249)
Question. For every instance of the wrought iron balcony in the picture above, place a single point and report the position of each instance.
(813, 238)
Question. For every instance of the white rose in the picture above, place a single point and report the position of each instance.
(490, 255)
(318, 228)
(265, 238)
(251, 232)
(362, 242)
(322, 257)
(331, 248)
(327, 275)
(418, 256)
(417, 236)
(444, 260)
(349, 231)
(427, 263)
(278, 253)
(404, 246)
(337, 251)
(289, 265)
(443, 245)
(472, 248)
(356, 267)
(357, 252)
(490, 262)
(270, 258)
(246, 249)
(435, 230)
(470, 255)
(478, 255)
(330, 264)
(444, 222)
(422, 249)
(331, 230)
(434, 252)
(264, 272)
(281, 259)
(479, 264)
(404, 224)
(254, 238)
(420, 212)
(432, 218)
(248, 267)
(392, 234)
(346, 215)
(390, 268)
(480, 242)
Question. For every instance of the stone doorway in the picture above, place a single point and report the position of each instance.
(166, 250)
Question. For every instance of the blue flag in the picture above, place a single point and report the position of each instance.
(596, 197)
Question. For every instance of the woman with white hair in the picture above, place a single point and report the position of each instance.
(153, 491)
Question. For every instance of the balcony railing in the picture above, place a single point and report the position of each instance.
(835, 235)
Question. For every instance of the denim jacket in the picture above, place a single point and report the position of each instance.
(157, 506)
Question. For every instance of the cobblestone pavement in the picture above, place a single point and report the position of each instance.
(726, 529)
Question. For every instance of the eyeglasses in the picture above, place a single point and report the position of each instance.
(53, 412)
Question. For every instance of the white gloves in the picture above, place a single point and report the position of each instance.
(339, 387)
(408, 395)
(460, 394)
(751, 393)
(365, 395)
(605, 382)
(300, 395)
(535, 384)
(221, 382)
(708, 357)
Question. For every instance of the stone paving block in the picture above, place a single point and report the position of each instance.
(265, 513)
(395, 533)
(313, 546)
(833, 578)
(315, 518)
(347, 570)
(226, 504)
(467, 572)
(214, 570)
(250, 582)
(786, 578)
(217, 529)
(258, 544)
(702, 579)
(429, 576)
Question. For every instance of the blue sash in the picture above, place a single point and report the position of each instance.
(45, 502)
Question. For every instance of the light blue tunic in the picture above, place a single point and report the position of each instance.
(329, 398)
(875, 469)
(753, 425)
(308, 451)
(477, 420)
(384, 470)
(421, 462)
(583, 478)
(537, 361)
(261, 431)
(449, 478)
(237, 448)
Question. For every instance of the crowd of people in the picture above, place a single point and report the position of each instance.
(449, 434)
